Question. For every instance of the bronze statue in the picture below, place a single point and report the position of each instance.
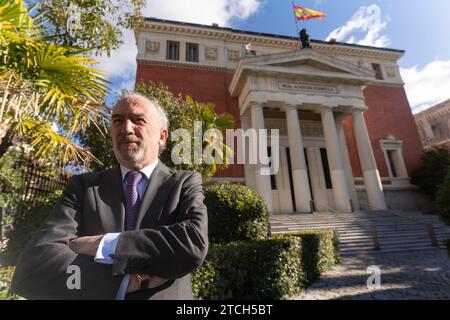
(304, 38)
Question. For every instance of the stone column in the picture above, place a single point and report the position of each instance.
(372, 180)
(249, 169)
(302, 191)
(347, 164)
(263, 185)
(337, 169)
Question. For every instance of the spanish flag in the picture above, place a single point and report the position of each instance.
(306, 14)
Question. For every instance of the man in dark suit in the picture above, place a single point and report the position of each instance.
(135, 231)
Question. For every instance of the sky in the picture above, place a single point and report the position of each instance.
(418, 27)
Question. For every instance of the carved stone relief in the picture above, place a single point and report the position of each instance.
(152, 47)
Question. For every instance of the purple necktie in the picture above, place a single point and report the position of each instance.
(132, 201)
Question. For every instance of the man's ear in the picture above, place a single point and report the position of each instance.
(163, 135)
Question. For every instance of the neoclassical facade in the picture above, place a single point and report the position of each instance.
(347, 137)
(434, 125)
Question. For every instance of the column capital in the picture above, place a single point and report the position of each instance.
(359, 108)
(289, 107)
(255, 105)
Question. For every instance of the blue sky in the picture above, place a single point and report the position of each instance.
(420, 28)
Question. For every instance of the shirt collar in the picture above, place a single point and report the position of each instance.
(147, 171)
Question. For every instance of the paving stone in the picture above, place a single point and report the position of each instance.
(404, 275)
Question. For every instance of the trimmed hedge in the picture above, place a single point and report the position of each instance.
(265, 269)
(236, 213)
(277, 268)
(320, 252)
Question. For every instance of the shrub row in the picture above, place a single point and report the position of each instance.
(272, 269)
(235, 213)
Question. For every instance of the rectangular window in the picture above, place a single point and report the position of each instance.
(326, 168)
(377, 68)
(192, 52)
(391, 162)
(173, 50)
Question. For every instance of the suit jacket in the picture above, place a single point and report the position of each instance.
(171, 239)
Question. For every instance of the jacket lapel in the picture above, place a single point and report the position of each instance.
(111, 201)
(154, 195)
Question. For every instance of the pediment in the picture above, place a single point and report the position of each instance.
(306, 61)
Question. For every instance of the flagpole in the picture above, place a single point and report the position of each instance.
(295, 17)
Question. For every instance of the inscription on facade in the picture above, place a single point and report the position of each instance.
(306, 87)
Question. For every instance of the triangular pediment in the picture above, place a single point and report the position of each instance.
(308, 65)
(306, 61)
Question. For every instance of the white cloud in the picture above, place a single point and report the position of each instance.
(121, 64)
(122, 61)
(366, 20)
(202, 11)
(427, 86)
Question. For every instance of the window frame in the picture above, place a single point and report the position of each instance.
(190, 45)
(168, 51)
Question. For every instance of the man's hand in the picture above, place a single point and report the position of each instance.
(86, 245)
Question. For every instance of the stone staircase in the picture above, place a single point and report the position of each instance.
(362, 231)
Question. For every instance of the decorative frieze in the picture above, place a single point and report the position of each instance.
(390, 72)
(152, 47)
(210, 54)
(234, 55)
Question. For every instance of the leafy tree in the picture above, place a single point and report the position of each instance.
(181, 113)
(431, 173)
(98, 142)
(96, 25)
(443, 199)
(43, 86)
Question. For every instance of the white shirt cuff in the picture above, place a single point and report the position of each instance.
(107, 248)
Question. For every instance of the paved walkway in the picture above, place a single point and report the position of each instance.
(404, 275)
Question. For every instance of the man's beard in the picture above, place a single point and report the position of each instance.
(133, 155)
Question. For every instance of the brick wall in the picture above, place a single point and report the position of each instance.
(388, 114)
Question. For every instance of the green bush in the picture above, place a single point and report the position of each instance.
(236, 213)
(28, 221)
(443, 199)
(265, 269)
(320, 252)
(430, 175)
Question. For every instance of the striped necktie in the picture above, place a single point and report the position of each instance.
(132, 201)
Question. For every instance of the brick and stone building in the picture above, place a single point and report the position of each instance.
(348, 139)
(434, 125)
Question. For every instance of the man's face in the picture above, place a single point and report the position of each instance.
(136, 132)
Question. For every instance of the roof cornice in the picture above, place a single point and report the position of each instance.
(229, 34)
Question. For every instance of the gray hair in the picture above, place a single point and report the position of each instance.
(160, 110)
(164, 119)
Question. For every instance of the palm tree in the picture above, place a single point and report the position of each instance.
(43, 85)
